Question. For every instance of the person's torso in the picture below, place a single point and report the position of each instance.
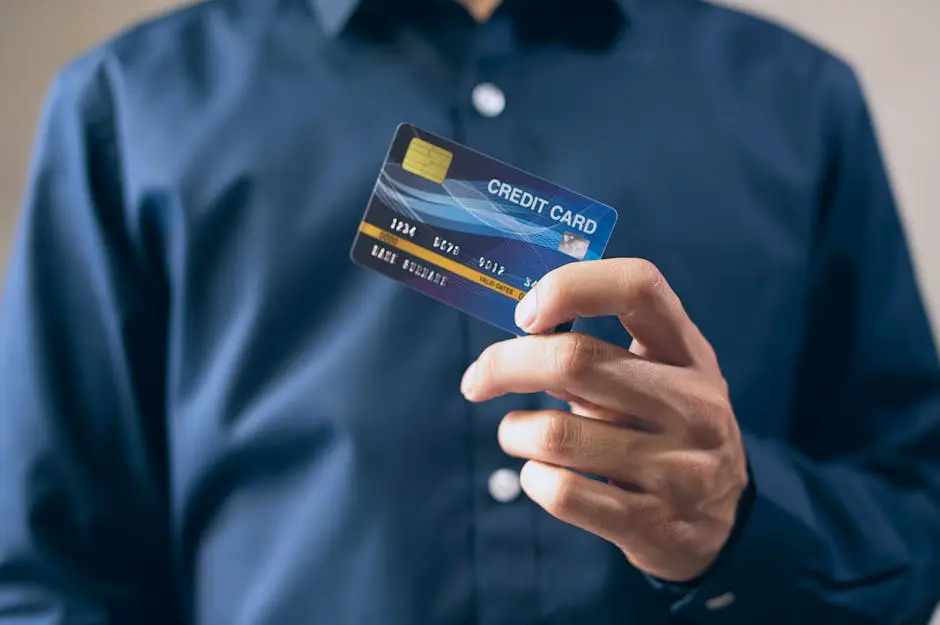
(324, 467)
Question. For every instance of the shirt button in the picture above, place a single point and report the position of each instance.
(720, 602)
(504, 485)
(488, 99)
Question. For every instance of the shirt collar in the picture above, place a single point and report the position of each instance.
(334, 14)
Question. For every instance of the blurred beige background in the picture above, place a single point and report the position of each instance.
(894, 44)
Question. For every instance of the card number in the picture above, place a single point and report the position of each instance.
(493, 267)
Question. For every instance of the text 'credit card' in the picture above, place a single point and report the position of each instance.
(471, 231)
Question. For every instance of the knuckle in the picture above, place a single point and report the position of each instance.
(715, 402)
(677, 534)
(573, 354)
(708, 405)
(713, 409)
(561, 435)
(697, 476)
(719, 379)
(706, 411)
(645, 280)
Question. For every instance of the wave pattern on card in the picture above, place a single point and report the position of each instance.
(471, 231)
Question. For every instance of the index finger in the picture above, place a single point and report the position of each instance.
(631, 288)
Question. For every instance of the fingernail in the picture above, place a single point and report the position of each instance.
(466, 384)
(526, 310)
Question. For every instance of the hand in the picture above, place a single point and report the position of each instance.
(656, 420)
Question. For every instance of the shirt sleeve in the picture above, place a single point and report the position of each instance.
(844, 526)
(82, 517)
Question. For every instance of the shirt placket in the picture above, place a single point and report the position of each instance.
(505, 551)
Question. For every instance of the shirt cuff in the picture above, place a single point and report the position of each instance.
(753, 580)
(673, 591)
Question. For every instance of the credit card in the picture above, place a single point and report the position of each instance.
(471, 231)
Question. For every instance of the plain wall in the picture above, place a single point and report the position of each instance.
(894, 45)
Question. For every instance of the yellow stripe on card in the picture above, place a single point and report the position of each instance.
(427, 160)
(440, 261)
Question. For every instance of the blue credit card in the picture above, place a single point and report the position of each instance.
(471, 231)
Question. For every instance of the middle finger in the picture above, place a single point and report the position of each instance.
(596, 447)
(578, 365)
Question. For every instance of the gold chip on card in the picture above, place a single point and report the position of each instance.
(427, 160)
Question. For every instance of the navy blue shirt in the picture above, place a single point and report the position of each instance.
(208, 415)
